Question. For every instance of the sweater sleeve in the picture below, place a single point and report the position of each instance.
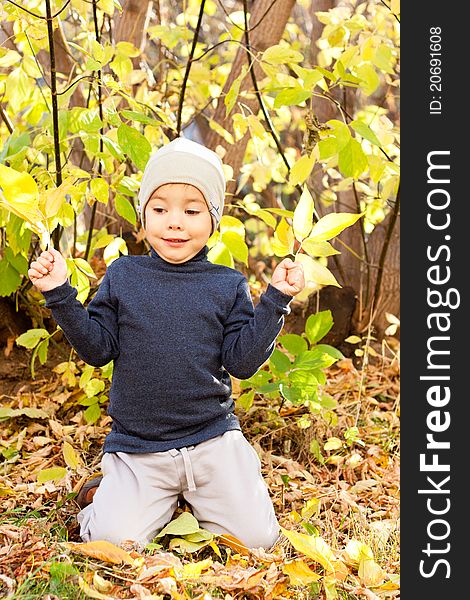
(250, 333)
(92, 331)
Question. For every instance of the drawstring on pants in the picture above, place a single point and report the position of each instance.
(188, 469)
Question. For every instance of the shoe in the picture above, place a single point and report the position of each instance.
(87, 491)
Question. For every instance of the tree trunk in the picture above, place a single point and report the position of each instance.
(351, 272)
(266, 34)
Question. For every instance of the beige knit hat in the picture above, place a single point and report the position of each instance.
(185, 161)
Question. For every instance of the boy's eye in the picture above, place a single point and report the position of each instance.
(158, 209)
(192, 212)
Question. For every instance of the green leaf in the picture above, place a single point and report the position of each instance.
(182, 525)
(291, 96)
(327, 148)
(303, 215)
(305, 380)
(332, 224)
(133, 115)
(52, 474)
(313, 359)
(125, 209)
(30, 338)
(236, 244)
(94, 387)
(258, 379)
(352, 161)
(341, 132)
(10, 279)
(365, 131)
(280, 362)
(135, 145)
(331, 350)
(293, 343)
(245, 400)
(318, 325)
(92, 413)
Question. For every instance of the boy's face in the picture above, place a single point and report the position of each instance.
(177, 222)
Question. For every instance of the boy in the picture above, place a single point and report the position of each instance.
(176, 325)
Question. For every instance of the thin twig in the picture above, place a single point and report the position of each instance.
(254, 26)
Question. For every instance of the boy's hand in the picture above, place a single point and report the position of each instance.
(48, 271)
(288, 277)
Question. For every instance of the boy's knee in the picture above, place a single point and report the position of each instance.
(115, 535)
(262, 539)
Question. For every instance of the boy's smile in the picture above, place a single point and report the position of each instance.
(177, 222)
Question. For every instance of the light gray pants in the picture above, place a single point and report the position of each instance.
(220, 479)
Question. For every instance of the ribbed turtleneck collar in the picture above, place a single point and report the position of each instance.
(187, 265)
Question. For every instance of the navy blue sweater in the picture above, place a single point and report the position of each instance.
(175, 332)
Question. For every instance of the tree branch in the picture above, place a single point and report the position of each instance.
(100, 109)
(261, 103)
(188, 67)
(55, 110)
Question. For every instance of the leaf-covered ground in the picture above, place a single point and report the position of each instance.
(339, 517)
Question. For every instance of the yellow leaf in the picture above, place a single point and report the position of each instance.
(301, 169)
(102, 584)
(332, 224)
(228, 223)
(311, 508)
(303, 215)
(52, 474)
(314, 547)
(70, 456)
(226, 135)
(90, 592)
(355, 551)
(314, 248)
(300, 573)
(195, 569)
(17, 186)
(316, 272)
(20, 194)
(256, 128)
(102, 550)
(283, 239)
(353, 339)
(370, 573)
(52, 199)
(333, 443)
(280, 53)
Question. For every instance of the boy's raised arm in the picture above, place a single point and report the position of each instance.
(250, 333)
(92, 331)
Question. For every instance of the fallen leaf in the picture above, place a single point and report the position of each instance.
(102, 550)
